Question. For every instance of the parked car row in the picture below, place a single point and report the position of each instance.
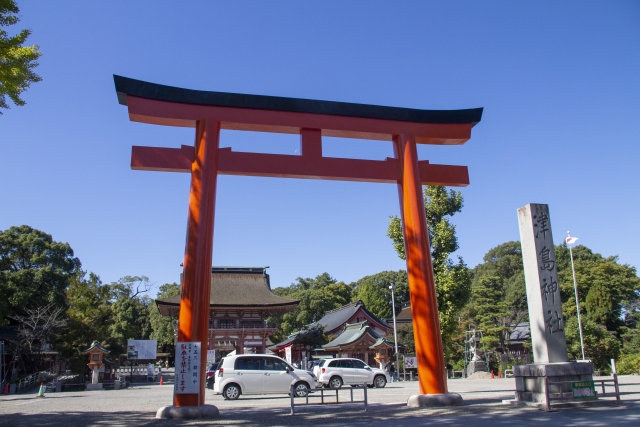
(264, 374)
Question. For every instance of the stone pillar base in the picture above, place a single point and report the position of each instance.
(187, 412)
(91, 387)
(434, 400)
(530, 378)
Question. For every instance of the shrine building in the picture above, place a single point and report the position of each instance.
(240, 303)
(354, 332)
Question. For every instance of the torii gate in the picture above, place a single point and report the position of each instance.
(209, 112)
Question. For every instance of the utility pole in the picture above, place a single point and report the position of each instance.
(570, 240)
(395, 331)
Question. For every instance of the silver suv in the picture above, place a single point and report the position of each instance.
(259, 374)
(334, 373)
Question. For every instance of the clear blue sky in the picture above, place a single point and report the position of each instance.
(559, 81)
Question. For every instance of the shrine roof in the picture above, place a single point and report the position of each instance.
(334, 319)
(97, 345)
(138, 88)
(352, 333)
(236, 287)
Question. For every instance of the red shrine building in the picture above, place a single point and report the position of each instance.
(354, 332)
(240, 303)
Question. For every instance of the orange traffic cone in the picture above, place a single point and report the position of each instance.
(492, 376)
(41, 391)
(161, 383)
(499, 374)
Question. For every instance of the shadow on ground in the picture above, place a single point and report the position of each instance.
(394, 414)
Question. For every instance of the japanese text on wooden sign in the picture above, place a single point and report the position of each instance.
(187, 368)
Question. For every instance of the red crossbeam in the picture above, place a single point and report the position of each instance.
(305, 166)
(253, 119)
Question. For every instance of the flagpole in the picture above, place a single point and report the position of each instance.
(575, 288)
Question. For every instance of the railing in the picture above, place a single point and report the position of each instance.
(581, 390)
(136, 371)
(38, 377)
(245, 327)
(296, 392)
(402, 376)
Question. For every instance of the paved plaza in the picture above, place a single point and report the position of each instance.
(483, 407)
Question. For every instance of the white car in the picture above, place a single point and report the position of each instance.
(259, 374)
(334, 373)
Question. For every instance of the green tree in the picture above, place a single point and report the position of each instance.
(406, 339)
(502, 274)
(130, 309)
(316, 296)
(607, 291)
(162, 326)
(453, 280)
(600, 345)
(491, 311)
(375, 293)
(16, 60)
(374, 299)
(34, 270)
(89, 318)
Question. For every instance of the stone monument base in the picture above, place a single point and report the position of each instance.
(187, 412)
(91, 387)
(530, 378)
(477, 366)
(434, 400)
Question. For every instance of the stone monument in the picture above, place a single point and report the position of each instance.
(545, 311)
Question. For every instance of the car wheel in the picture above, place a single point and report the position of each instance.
(301, 389)
(231, 392)
(335, 383)
(380, 381)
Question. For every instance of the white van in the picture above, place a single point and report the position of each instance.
(259, 374)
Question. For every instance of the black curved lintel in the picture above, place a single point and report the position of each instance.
(126, 86)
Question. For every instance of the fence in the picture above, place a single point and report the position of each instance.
(294, 392)
(580, 391)
(33, 379)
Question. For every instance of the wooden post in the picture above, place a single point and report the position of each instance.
(424, 306)
(193, 324)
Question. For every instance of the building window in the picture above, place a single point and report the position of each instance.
(227, 324)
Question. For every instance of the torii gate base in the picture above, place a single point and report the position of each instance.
(209, 112)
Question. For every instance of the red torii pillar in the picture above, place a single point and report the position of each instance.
(209, 112)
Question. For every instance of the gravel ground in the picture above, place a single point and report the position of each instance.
(387, 406)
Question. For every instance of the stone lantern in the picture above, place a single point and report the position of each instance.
(384, 351)
(96, 353)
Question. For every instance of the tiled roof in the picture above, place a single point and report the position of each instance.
(334, 319)
(236, 287)
(97, 345)
(352, 333)
(521, 332)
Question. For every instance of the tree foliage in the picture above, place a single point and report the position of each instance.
(16, 60)
(453, 280)
(35, 271)
(499, 298)
(607, 292)
(89, 318)
(374, 292)
(161, 326)
(608, 295)
(491, 312)
(316, 296)
(130, 311)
